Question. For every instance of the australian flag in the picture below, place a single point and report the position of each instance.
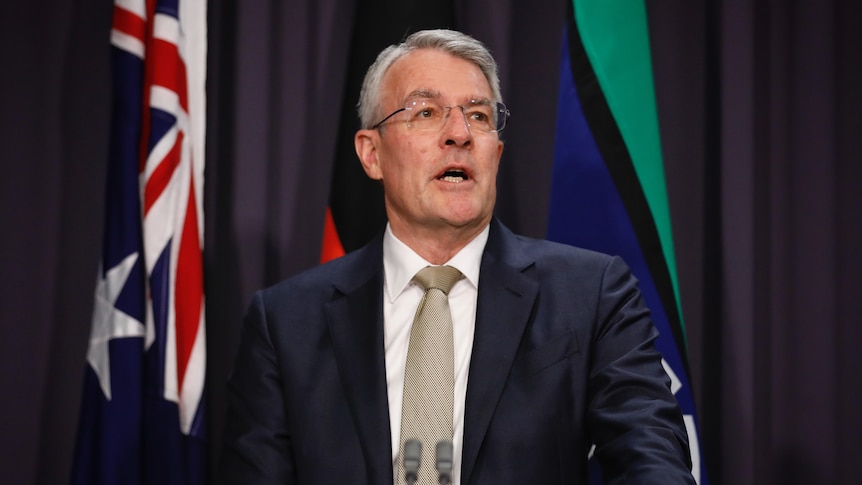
(142, 414)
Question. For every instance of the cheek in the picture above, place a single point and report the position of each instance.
(402, 156)
(491, 168)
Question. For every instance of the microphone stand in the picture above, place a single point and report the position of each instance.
(444, 461)
(412, 459)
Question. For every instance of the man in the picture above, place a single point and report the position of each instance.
(552, 345)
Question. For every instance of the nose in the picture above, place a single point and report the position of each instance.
(456, 129)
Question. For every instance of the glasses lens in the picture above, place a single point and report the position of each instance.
(480, 116)
(424, 115)
(502, 116)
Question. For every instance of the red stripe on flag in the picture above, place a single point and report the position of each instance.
(189, 289)
(129, 23)
(170, 71)
(150, 61)
(332, 247)
(161, 176)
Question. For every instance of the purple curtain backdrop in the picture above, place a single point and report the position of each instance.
(759, 106)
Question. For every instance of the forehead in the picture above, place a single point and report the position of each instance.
(434, 71)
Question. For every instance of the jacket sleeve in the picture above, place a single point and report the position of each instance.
(633, 418)
(257, 441)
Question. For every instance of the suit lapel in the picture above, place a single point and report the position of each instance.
(355, 322)
(506, 297)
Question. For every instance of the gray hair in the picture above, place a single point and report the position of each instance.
(450, 41)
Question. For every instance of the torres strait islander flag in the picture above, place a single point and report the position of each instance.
(608, 190)
(142, 411)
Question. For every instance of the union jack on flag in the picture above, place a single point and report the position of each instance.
(142, 413)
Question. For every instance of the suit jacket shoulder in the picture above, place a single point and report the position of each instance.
(339, 276)
(563, 357)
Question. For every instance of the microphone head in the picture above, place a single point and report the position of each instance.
(444, 458)
(412, 458)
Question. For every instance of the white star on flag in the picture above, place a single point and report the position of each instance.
(675, 383)
(109, 322)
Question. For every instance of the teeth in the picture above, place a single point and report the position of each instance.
(455, 176)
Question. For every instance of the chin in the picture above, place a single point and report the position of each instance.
(466, 220)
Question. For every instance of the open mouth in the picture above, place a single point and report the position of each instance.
(454, 175)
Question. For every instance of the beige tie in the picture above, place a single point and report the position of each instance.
(429, 377)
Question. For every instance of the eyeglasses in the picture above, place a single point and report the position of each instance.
(428, 116)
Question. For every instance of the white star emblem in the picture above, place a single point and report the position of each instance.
(675, 383)
(110, 322)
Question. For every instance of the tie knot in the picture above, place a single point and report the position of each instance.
(440, 277)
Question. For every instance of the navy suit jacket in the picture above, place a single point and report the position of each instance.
(563, 357)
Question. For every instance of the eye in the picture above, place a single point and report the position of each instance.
(424, 111)
(478, 116)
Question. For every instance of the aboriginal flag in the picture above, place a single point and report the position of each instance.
(608, 187)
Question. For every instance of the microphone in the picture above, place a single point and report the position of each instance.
(412, 458)
(444, 461)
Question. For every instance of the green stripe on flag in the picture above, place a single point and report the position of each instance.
(616, 40)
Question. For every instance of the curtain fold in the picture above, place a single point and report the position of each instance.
(758, 113)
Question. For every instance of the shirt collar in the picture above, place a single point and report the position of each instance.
(400, 263)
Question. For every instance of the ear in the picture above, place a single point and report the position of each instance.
(365, 142)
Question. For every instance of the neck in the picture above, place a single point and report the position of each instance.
(439, 244)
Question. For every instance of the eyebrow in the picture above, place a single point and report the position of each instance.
(424, 93)
(433, 94)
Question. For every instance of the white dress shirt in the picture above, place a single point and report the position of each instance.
(400, 299)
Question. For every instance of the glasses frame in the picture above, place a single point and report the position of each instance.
(503, 115)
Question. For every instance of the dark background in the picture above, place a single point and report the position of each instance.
(759, 106)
